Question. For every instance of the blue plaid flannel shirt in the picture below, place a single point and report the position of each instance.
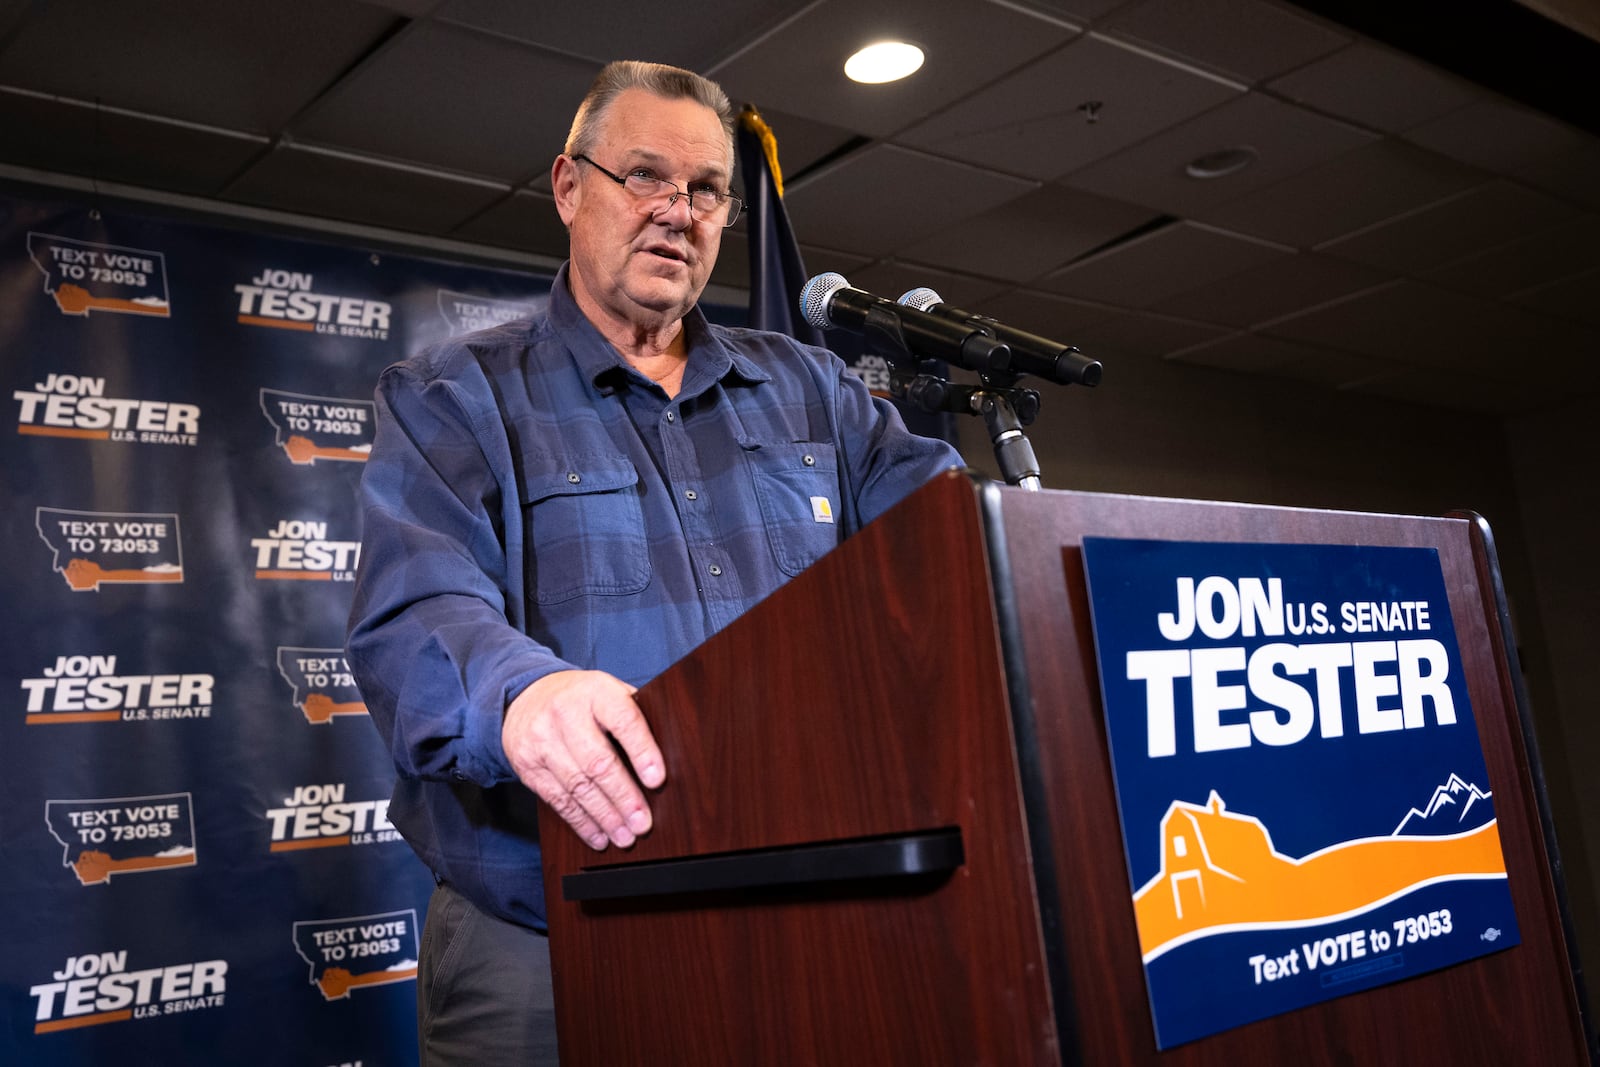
(531, 504)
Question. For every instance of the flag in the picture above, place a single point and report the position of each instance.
(777, 273)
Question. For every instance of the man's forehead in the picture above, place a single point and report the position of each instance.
(646, 128)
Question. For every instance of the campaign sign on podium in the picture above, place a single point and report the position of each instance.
(1305, 807)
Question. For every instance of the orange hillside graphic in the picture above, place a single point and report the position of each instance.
(94, 867)
(1220, 871)
(337, 982)
(320, 707)
(303, 450)
(76, 300)
(83, 574)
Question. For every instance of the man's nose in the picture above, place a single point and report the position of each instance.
(674, 211)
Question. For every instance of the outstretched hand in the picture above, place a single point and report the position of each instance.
(557, 735)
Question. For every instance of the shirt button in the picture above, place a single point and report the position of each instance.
(574, 477)
(716, 571)
(809, 461)
(671, 417)
(691, 494)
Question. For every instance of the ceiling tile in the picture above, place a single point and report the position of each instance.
(1281, 286)
(48, 134)
(526, 221)
(1260, 354)
(838, 207)
(1032, 121)
(1146, 269)
(1242, 39)
(247, 66)
(1057, 317)
(1141, 335)
(1376, 87)
(1481, 218)
(603, 30)
(802, 142)
(430, 97)
(311, 182)
(1526, 262)
(892, 278)
(1517, 396)
(1286, 139)
(801, 69)
(1423, 326)
(1576, 298)
(1028, 236)
(1502, 137)
(1344, 194)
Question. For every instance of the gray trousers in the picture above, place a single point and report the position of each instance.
(484, 997)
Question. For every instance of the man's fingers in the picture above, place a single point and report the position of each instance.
(557, 735)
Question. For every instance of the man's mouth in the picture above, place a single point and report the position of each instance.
(666, 253)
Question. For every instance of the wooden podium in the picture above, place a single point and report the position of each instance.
(890, 834)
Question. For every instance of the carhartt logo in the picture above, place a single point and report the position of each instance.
(821, 510)
(358, 952)
(95, 548)
(310, 428)
(85, 277)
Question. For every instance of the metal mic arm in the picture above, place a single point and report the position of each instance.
(1005, 411)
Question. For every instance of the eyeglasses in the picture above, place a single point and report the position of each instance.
(705, 204)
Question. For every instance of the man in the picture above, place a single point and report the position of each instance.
(557, 509)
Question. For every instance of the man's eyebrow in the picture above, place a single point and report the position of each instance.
(645, 157)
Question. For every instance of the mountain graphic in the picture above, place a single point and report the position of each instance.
(1220, 872)
(1447, 810)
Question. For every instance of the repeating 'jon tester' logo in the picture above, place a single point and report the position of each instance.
(319, 816)
(358, 952)
(309, 428)
(322, 683)
(300, 550)
(287, 300)
(123, 835)
(95, 988)
(80, 689)
(72, 405)
(82, 276)
(95, 548)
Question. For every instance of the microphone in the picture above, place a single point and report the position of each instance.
(1030, 354)
(828, 302)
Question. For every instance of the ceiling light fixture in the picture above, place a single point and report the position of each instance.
(1221, 163)
(883, 61)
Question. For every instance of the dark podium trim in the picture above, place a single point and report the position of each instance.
(902, 855)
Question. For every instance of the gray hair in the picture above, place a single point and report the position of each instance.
(669, 83)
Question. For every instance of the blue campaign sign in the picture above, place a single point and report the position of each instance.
(1305, 807)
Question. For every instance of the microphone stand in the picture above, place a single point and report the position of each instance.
(1005, 409)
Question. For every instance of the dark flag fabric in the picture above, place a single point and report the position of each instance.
(778, 274)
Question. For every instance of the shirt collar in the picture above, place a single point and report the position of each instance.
(711, 359)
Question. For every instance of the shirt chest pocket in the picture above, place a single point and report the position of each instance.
(797, 486)
(585, 526)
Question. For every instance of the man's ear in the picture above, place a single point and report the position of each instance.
(564, 184)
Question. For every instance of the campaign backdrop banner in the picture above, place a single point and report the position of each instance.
(1305, 808)
(199, 865)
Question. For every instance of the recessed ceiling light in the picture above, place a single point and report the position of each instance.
(1221, 163)
(885, 61)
